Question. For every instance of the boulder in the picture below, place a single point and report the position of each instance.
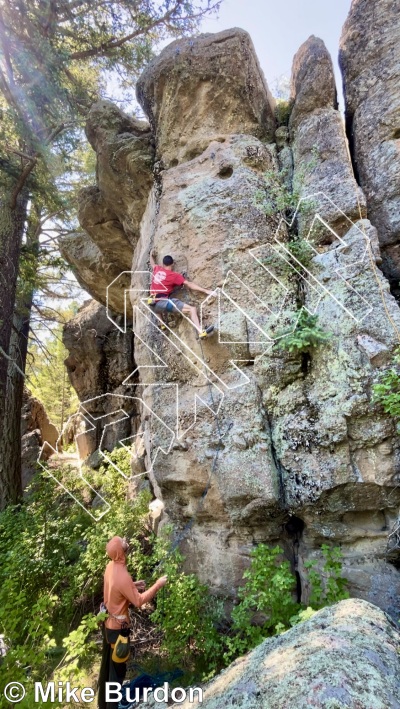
(346, 655)
(199, 89)
(244, 440)
(124, 149)
(370, 63)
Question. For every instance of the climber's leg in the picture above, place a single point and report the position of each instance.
(161, 306)
(192, 312)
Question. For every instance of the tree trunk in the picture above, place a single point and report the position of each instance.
(12, 225)
(10, 443)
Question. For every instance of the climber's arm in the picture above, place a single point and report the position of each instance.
(194, 286)
(152, 259)
(131, 593)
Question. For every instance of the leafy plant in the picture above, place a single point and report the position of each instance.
(52, 560)
(329, 587)
(268, 594)
(283, 110)
(281, 194)
(386, 391)
(188, 616)
(300, 249)
(268, 591)
(303, 336)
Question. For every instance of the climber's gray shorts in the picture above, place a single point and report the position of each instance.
(168, 305)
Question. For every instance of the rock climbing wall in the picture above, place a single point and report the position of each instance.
(245, 441)
(370, 62)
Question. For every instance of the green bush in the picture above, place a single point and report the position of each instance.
(386, 391)
(300, 249)
(268, 592)
(330, 587)
(279, 197)
(283, 110)
(188, 616)
(52, 560)
(303, 336)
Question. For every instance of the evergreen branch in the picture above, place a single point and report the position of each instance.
(113, 43)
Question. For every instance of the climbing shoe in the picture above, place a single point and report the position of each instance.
(207, 332)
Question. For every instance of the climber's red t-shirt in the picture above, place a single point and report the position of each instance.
(165, 281)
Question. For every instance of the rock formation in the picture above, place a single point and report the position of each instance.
(344, 656)
(322, 165)
(36, 429)
(100, 358)
(370, 62)
(111, 211)
(215, 84)
(299, 454)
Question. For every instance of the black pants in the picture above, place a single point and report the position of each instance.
(110, 671)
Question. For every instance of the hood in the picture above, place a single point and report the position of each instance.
(115, 550)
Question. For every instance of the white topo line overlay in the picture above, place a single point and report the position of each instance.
(195, 360)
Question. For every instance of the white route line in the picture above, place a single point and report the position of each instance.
(199, 365)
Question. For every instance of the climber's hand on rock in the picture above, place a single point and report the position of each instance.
(162, 581)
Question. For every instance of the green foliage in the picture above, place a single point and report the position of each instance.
(52, 561)
(386, 391)
(303, 335)
(188, 615)
(302, 253)
(276, 197)
(283, 110)
(48, 379)
(330, 587)
(281, 195)
(268, 591)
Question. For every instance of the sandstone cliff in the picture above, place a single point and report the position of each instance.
(298, 453)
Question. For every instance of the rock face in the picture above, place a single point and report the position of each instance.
(246, 441)
(93, 271)
(36, 429)
(344, 656)
(213, 82)
(322, 165)
(110, 212)
(370, 62)
(100, 358)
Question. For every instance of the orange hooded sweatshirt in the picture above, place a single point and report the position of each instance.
(119, 589)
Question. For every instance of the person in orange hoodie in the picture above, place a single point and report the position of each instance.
(119, 592)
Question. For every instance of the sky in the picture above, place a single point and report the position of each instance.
(279, 27)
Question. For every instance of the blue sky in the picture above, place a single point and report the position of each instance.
(279, 28)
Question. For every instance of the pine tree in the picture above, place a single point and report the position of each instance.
(53, 54)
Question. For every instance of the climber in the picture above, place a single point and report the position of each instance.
(164, 282)
(119, 591)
